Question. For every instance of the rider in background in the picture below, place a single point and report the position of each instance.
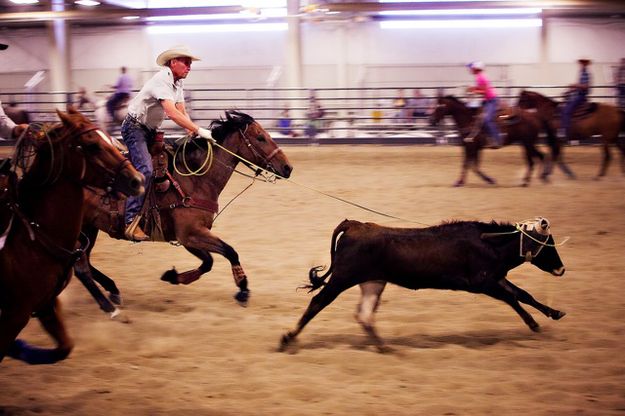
(8, 128)
(489, 103)
(577, 94)
(123, 88)
(161, 96)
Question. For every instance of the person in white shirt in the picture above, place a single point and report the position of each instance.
(8, 129)
(161, 96)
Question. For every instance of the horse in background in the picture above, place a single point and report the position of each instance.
(183, 202)
(601, 119)
(43, 213)
(519, 126)
(103, 118)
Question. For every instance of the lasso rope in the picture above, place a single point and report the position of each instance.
(203, 169)
(259, 168)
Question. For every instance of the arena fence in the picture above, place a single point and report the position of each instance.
(350, 115)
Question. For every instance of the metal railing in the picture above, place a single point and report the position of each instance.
(351, 115)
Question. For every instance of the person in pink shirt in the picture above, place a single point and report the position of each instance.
(490, 103)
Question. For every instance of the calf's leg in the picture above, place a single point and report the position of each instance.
(330, 291)
(495, 290)
(370, 293)
(528, 299)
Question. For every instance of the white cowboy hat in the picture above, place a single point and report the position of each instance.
(175, 52)
(476, 65)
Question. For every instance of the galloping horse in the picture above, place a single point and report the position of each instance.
(519, 126)
(606, 120)
(187, 208)
(43, 213)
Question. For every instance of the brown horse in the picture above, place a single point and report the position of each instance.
(43, 213)
(606, 121)
(519, 126)
(187, 207)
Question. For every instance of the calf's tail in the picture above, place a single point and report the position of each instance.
(317, 281)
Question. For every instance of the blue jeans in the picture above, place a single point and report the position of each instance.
(567, 113)
(136, 138)
(490, 111)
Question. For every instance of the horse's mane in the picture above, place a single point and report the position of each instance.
(455, 100)
(234, 121)
(539, 96)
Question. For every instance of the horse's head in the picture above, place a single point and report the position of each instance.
(89, 157)
(255, 143)
(527, 99)
(446, 106)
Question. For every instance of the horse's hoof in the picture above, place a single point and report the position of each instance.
(119, 316)
(286, 343)
(458, 184)
(242, 297)
(170, 276)
(490, 181)
(525, 184)
(556, 315)
(535, 327)
(116, 298)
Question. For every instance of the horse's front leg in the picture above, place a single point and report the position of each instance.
(201, 244)
(52, 321)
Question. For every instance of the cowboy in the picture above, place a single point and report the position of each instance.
(489, 103)
(161, 96)
(577, 94)
(8, 129)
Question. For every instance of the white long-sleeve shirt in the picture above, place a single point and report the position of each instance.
(6, 125)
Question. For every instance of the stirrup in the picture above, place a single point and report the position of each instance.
(133, 232)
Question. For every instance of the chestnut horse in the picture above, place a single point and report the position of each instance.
(198, 171)
(43, 213)
(519, 126)
(606, 121)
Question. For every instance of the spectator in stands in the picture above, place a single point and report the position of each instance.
(123, 88)
(285, 124)
(399, 106)
(418, 105)
(377, 113)
(314, 114)
(489, 103)
(577, 95)
(620, 84)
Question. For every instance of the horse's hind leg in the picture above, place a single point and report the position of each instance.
(51, 320)
(173, 277)
(620, 143)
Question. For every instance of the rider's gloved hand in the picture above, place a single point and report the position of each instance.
(205, 134)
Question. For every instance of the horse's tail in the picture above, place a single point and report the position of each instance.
(317, 281)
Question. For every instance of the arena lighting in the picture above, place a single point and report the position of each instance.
(24, 1)
(461, 23)
(464, 12)
(242, 27)
(245, 14)
(164, 4)
(88, 3)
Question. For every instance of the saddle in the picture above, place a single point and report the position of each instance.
(149, 218)
(584, 110)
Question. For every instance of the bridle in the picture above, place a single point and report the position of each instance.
(266, 160)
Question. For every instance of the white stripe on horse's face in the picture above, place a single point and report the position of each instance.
(105, 137)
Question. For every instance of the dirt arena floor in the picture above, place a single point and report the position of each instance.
(192, 350)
